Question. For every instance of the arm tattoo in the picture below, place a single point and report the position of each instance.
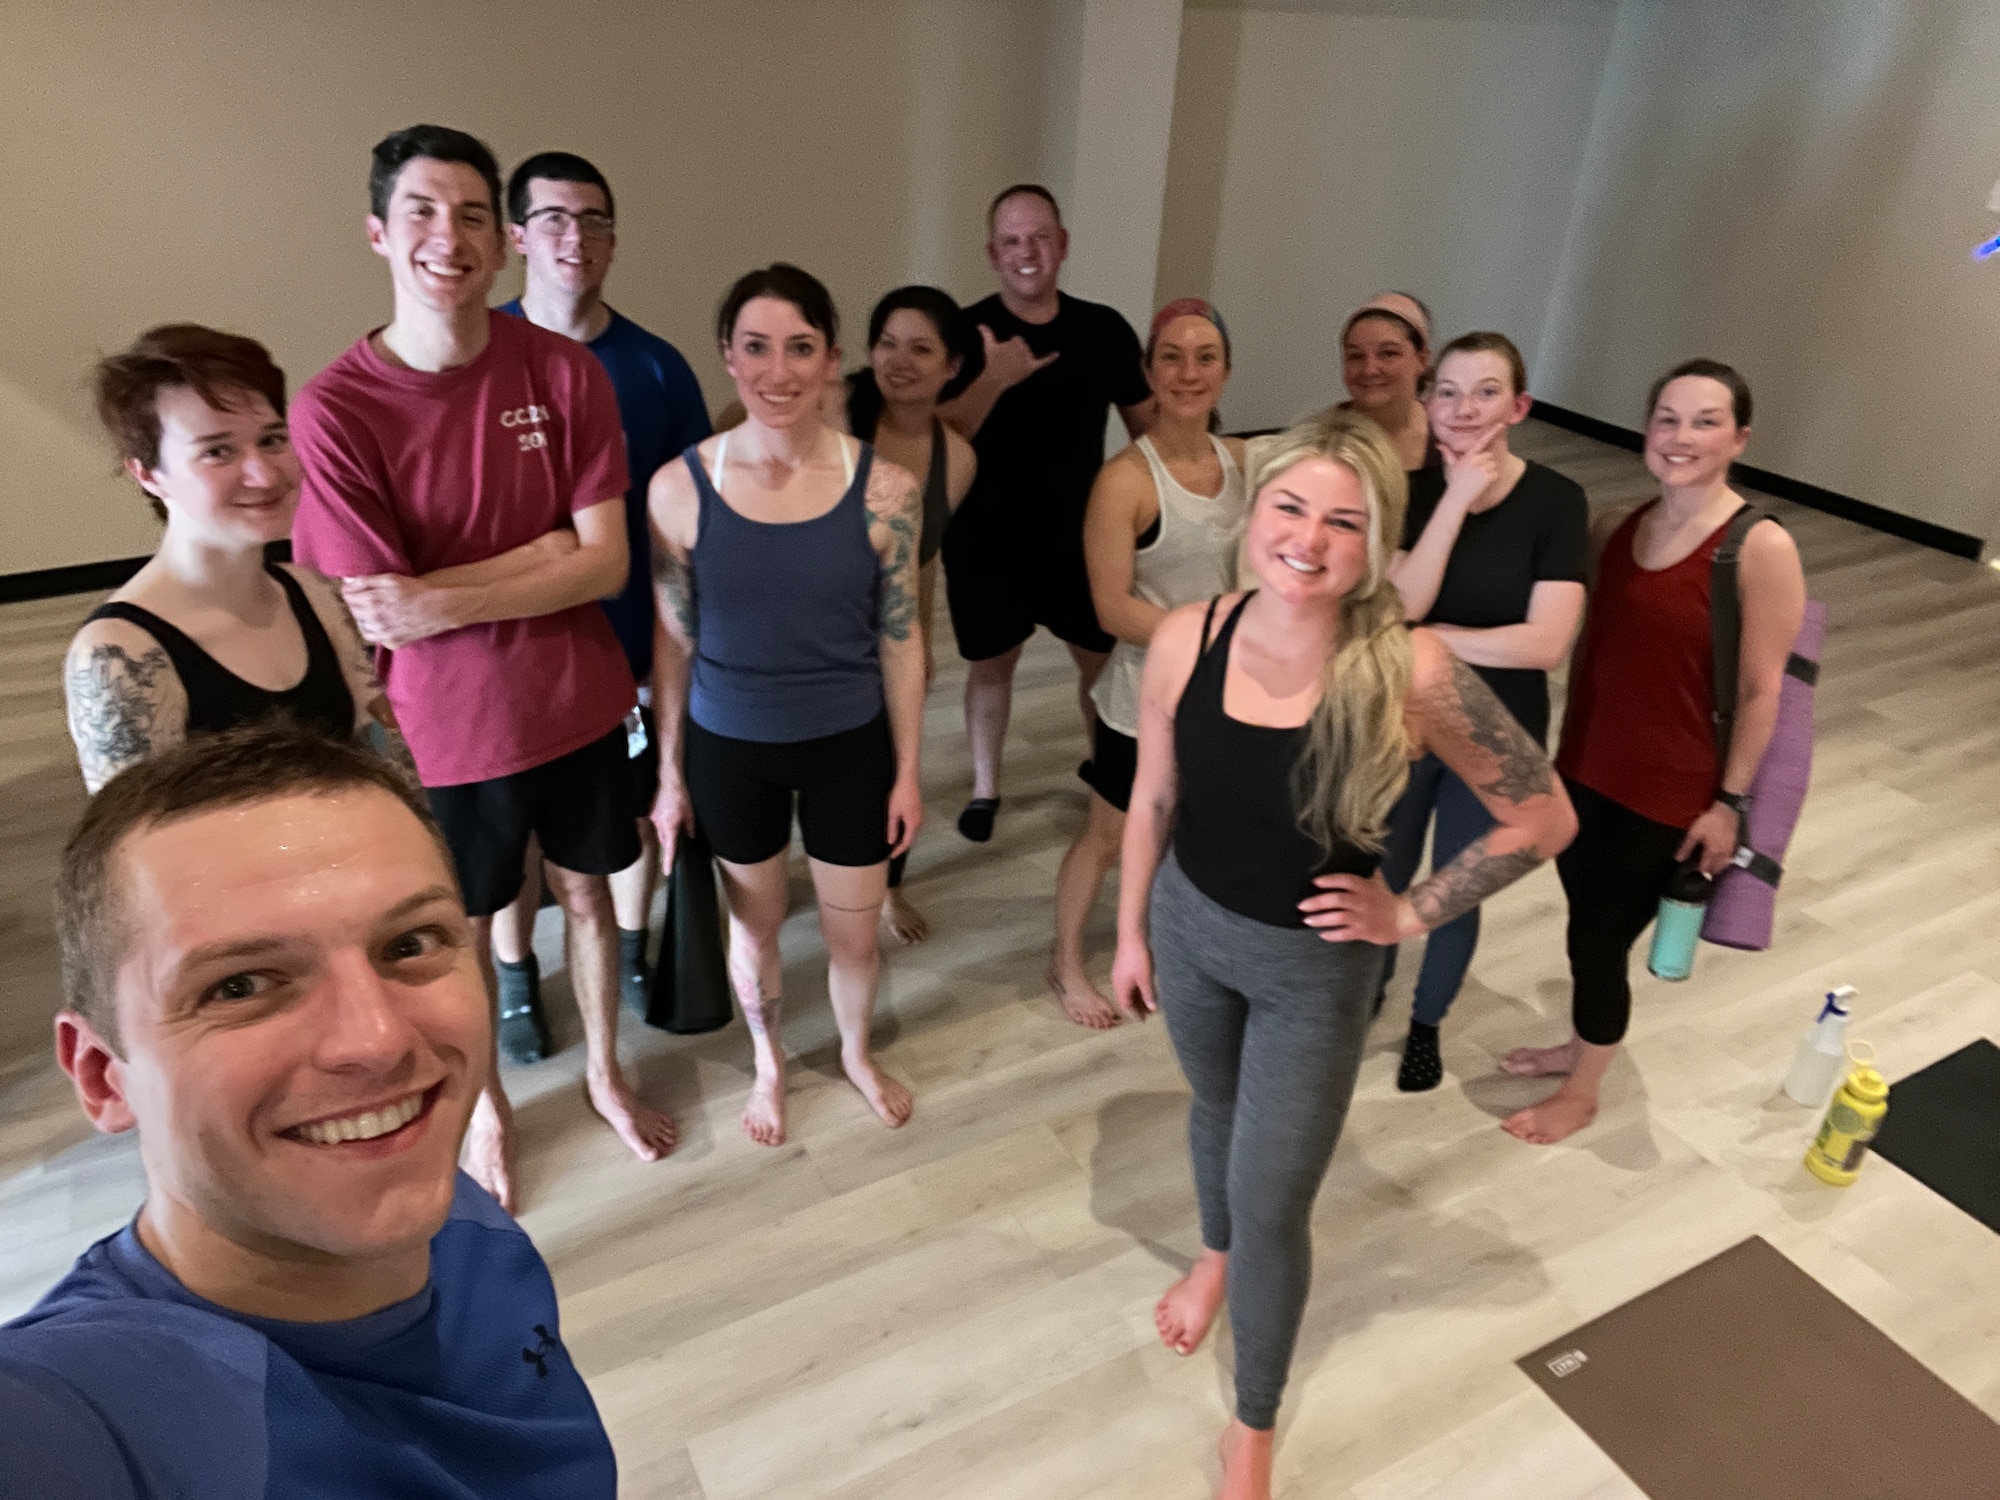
(675, 580)
(898, 567)
(112, 705)
(1469, 880)
(387, 739)
(1521, 767)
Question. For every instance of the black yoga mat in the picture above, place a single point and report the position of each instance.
(1943, 1128)
(1745, 1379)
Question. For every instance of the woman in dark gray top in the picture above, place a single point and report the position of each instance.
(818, 703)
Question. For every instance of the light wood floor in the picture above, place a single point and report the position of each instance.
(963, 1308)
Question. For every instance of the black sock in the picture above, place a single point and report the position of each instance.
(631, 951)
(518, 981)
(1422, 1068)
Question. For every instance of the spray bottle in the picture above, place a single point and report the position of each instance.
(1816, 1065)
(1855, 1115)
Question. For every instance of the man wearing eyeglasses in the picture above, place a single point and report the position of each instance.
(562, 223)
(465, 480)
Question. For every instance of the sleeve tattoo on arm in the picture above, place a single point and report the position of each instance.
(361, 670)
(675, 579)
(1521, 767)
(1469, 880)
(113, 701)
(1520, 772)
(898, 567)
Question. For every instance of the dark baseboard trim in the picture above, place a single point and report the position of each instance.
(1943, 538)
(83, 578)
(92, 578)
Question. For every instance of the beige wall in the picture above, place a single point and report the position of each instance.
(207, 161)
(1795, 187)
(1325, 151)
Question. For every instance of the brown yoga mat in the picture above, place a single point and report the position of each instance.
(1745, 1379)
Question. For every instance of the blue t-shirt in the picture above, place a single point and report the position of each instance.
(660, 403)
(121, 1384)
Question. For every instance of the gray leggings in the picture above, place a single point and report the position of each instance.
(1268, 1023)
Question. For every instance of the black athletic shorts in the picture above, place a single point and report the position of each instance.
(998, 596)
(742, 792)
(581, 806)
(1113, 763)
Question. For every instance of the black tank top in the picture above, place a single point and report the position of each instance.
(218, 699)
(1237, 837)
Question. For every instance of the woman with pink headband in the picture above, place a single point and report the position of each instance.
(1160, 532)
(1385, 357)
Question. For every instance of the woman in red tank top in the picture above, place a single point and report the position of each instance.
(1638, 740)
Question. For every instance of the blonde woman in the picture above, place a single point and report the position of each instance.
(1276, 731)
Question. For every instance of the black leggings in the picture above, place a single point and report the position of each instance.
(1613, 872)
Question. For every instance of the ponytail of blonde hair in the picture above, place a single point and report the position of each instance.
(1357, 758)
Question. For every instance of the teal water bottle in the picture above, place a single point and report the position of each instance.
(1677, 929)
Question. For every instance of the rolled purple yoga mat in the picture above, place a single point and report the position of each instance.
(1744, 907)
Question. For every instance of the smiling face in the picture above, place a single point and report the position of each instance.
(1692, 437)
(779, 361)
(1380, 365)
(1308, 537)
(911, 363)
(566, 237)
(302, 1021)
(1474, 392)
(1027, 248)
(441, 238)
(1188, 368)
(225, 474)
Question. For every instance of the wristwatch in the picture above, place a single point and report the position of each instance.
(1736, 802)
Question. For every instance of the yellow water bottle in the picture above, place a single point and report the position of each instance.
(1851, 1120)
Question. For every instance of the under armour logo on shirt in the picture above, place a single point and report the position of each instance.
(539, 1355)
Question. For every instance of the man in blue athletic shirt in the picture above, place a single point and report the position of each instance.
(270, 976)
(563, 226)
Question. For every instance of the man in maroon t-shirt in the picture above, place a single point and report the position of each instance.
(465, 479)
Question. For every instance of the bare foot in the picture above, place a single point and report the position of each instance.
(764, 1113)
(648, 1133)
(902, 921)
(1557, 1117)
(1185, 1313)
(1081, 1002)
(1246, 1462)
(885, 1095)
(1540, 1062)
(488, 1153)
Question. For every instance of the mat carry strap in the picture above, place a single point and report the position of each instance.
(1725, 626)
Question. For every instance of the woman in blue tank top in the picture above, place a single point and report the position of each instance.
(789, 670)
(1276, 730)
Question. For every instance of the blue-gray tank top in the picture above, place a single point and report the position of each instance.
(787, 615)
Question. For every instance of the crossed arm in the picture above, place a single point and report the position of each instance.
(544, 577)
(1542, 640)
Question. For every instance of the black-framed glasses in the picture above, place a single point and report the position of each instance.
(557, 222)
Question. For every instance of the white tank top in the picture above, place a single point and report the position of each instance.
(1193, 557)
